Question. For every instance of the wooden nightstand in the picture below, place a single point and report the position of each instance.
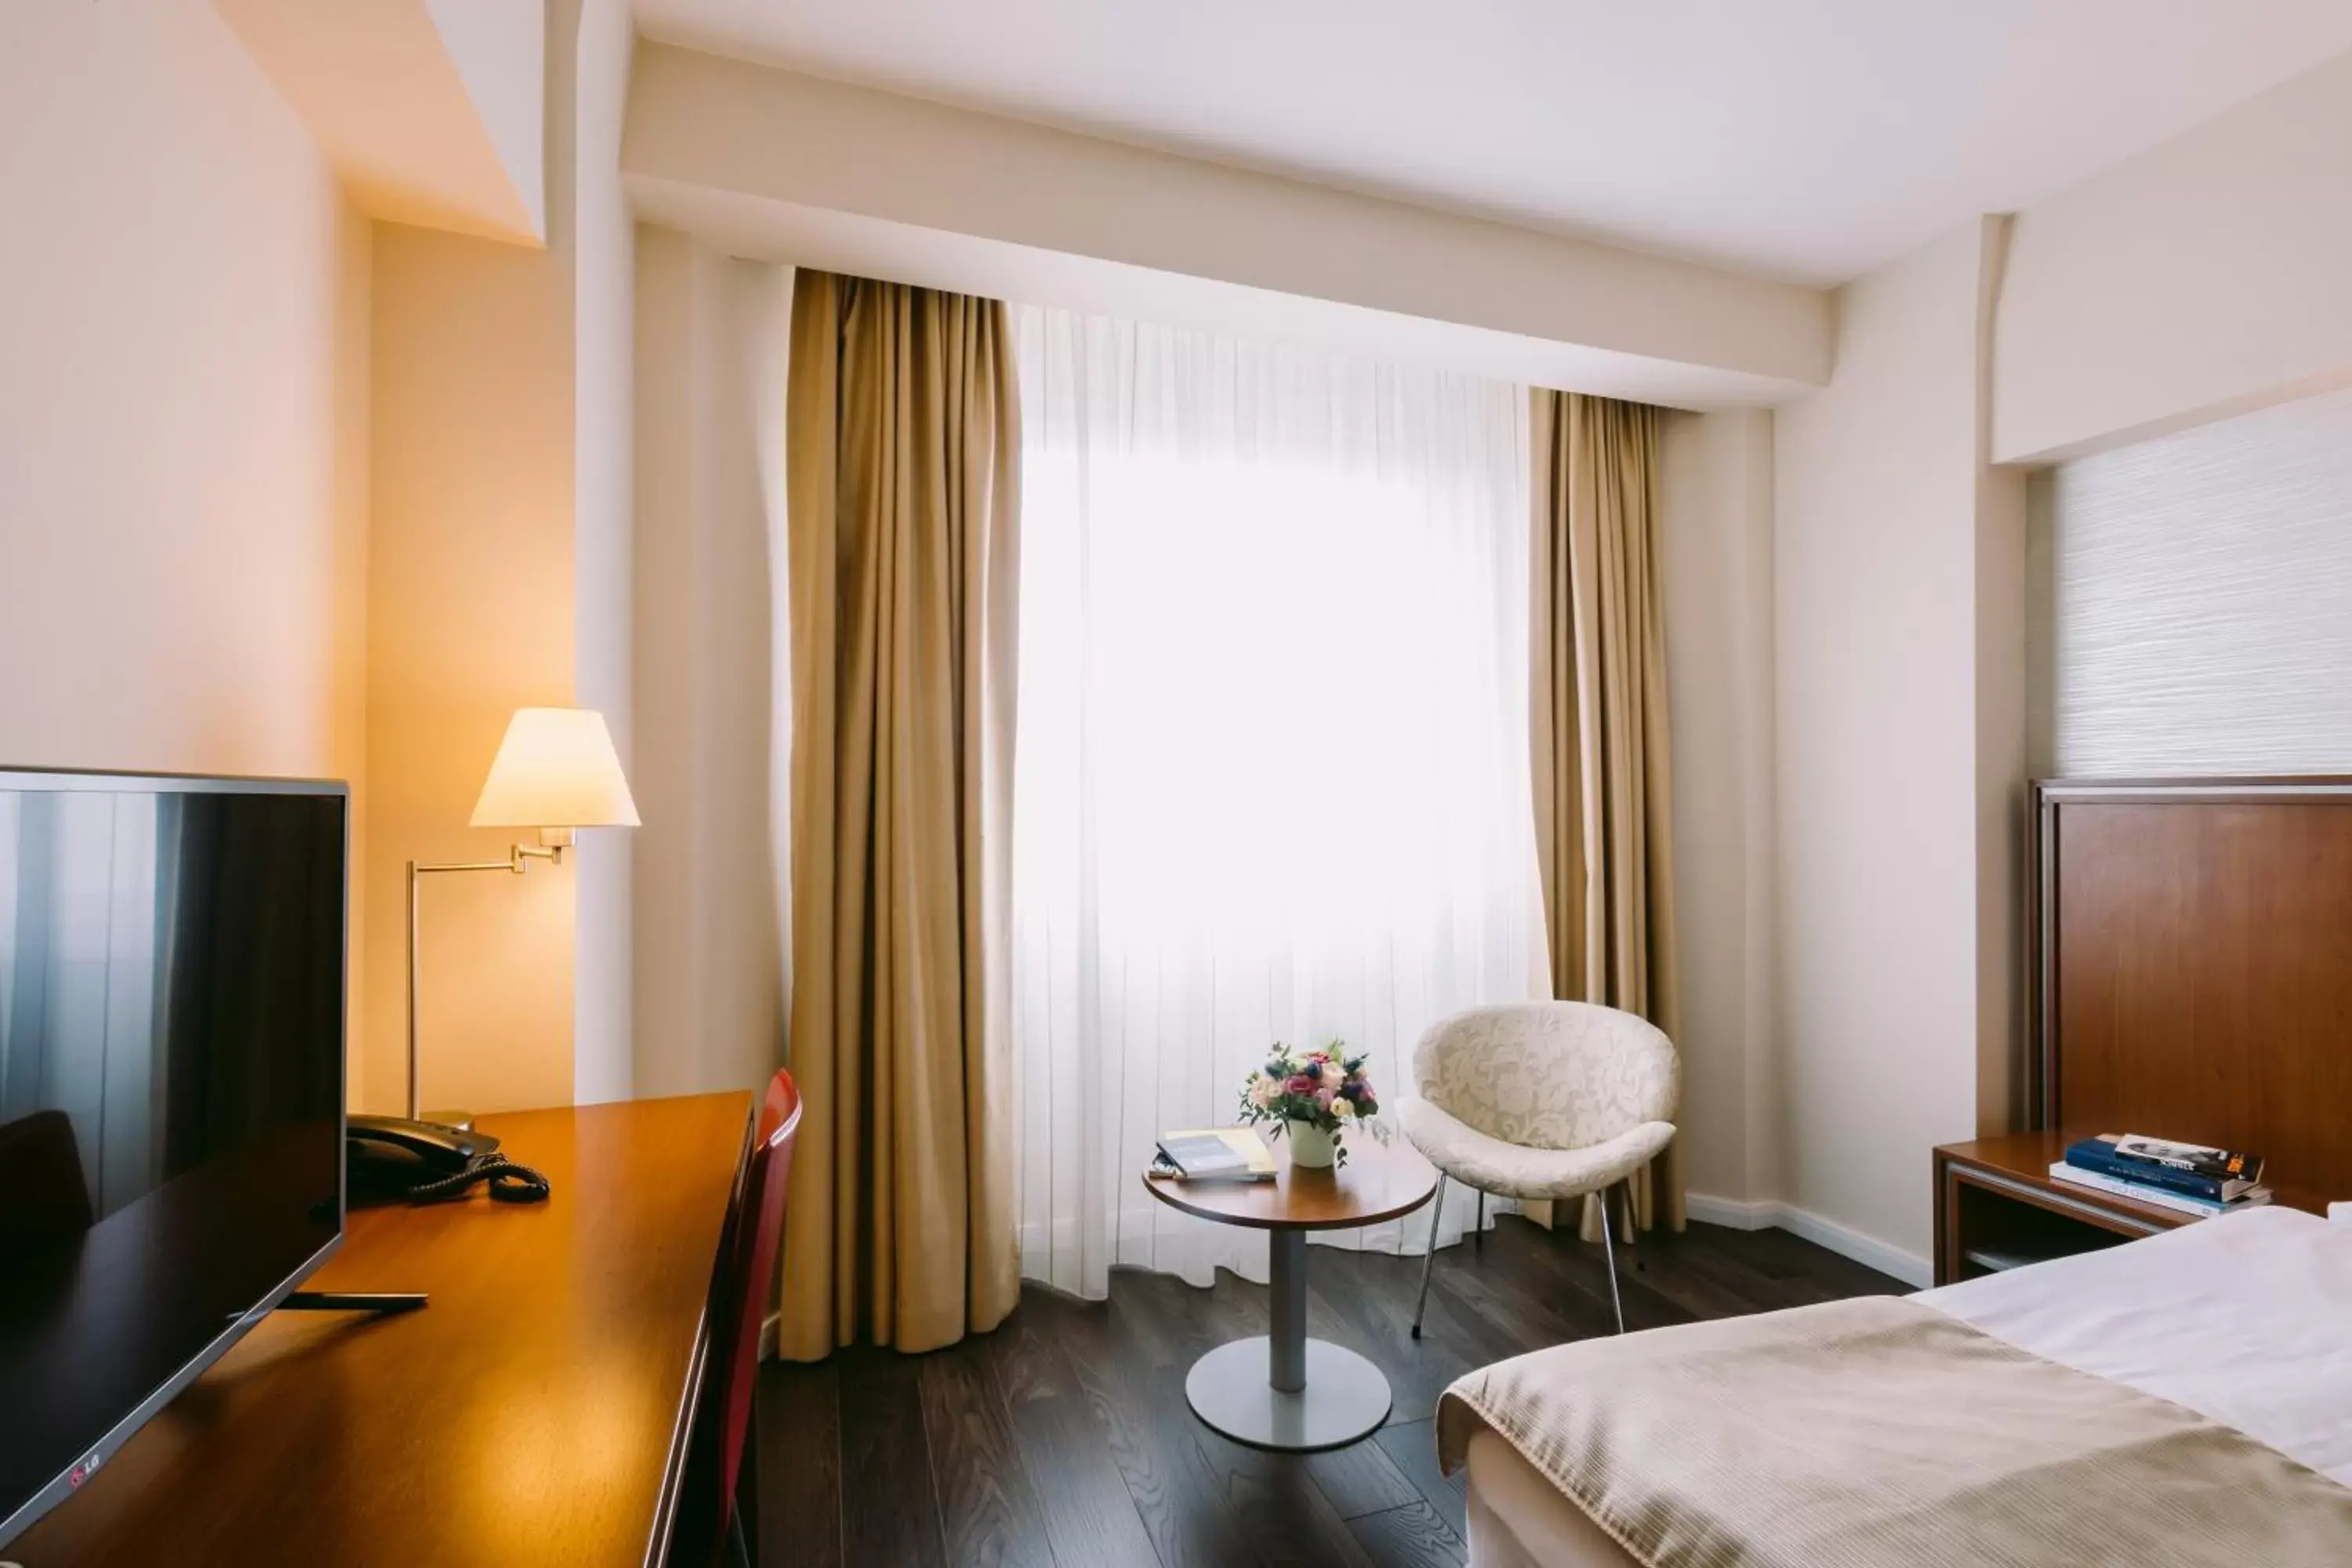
(1996, 1206)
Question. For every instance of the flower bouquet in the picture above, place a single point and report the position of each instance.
(1314, 1096)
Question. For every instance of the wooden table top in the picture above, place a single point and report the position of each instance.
(1379, 1181)
(532, 1414)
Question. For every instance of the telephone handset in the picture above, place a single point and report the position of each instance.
(425, 1162)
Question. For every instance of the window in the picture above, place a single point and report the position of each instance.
(1272, 776)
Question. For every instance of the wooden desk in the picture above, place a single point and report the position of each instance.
(1997, 1206)
(535, 1413)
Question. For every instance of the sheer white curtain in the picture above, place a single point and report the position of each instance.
(1272, 780)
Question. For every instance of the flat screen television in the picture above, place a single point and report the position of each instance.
(172, 1000)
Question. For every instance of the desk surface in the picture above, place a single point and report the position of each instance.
(533, 1413)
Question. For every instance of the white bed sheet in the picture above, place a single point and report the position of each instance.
(2246, 1319)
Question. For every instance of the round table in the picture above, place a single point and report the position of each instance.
(1282, 1390)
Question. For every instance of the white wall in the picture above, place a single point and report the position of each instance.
(712, 693)
(471, 590)
(428, 110)
(215, 376)
(2202, 278)
(2197, 598)
(183, 406)
(183, 299)
(1714, 498)
(604, 441)
(1883, 859)
(499, 50)
(499, 578)
(2001, 606)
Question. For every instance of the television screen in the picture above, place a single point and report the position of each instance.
(171, 1094)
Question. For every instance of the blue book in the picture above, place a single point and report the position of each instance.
(2099, 1155)
(2075, 1175)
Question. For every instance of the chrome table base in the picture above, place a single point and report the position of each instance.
(1283, 1390)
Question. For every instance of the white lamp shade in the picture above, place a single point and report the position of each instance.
(556, 768)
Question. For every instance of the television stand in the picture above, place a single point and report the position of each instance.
(352, 1301)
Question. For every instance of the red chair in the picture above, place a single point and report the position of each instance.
(746, 1278)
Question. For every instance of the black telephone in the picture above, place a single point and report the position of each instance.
(425, 1162)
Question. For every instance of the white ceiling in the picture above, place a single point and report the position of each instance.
(1806, 138)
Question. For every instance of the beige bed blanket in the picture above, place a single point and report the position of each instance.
(1881, 1433)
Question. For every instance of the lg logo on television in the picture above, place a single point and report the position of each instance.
(80, 1473)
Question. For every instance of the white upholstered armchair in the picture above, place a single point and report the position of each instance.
(1541, 1099)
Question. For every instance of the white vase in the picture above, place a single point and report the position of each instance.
(1311, 1148)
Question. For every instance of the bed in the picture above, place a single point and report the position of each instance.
(2189, 973)
(2238, 1331)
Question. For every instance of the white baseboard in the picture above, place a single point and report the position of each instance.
(1887, 1258)
(1868, 1250)
(1732, 1213)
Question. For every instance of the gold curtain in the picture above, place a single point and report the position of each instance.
(1604, 781)
(902, 464)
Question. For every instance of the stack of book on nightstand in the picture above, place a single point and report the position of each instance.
(2187, 1177)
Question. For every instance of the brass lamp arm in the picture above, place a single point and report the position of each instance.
(552, 843)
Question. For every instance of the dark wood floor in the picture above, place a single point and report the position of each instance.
(1063, 1438)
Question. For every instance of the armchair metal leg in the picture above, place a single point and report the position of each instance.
(1429, 1260)
(1609, 1251)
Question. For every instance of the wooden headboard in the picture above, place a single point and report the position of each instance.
(2191, 973)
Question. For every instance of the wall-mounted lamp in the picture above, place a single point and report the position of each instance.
(556, 771)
